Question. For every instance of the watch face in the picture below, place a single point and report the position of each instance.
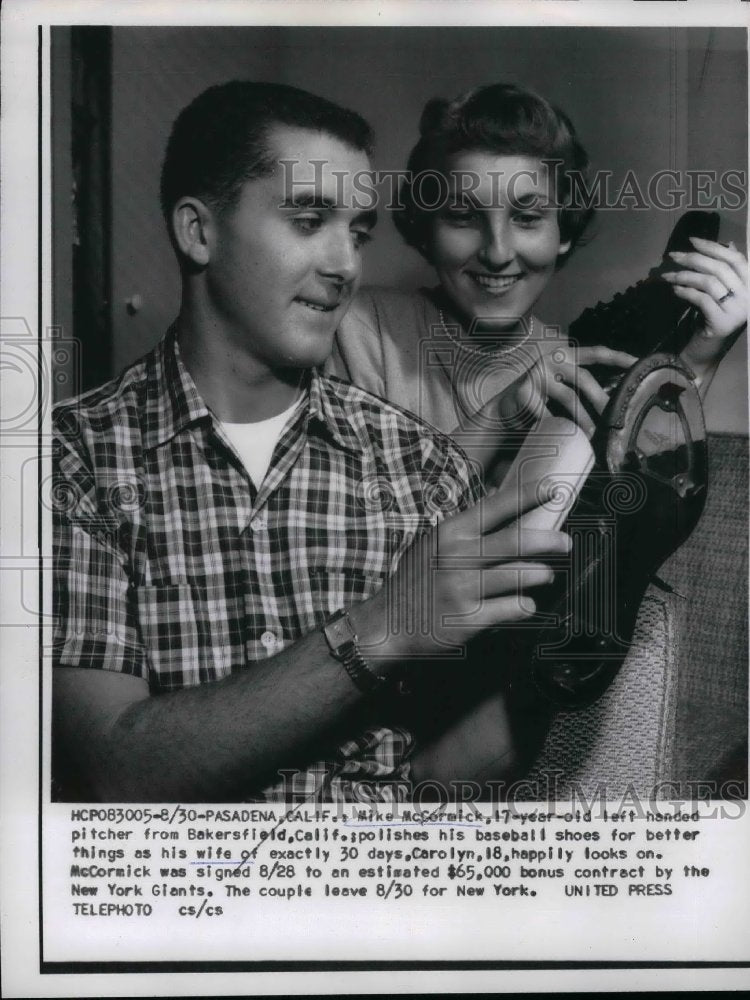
(339, 631)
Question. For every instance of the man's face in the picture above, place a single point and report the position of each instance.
(285, 260)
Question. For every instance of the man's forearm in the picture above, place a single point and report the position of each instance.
(228, 739)
(217, 741)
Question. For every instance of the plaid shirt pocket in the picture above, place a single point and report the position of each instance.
(190, 640)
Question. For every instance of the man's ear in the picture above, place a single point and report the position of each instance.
(191, 224)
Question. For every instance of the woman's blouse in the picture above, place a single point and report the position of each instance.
(395, 345)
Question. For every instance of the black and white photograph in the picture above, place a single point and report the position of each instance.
(176, 568)
(376, 437)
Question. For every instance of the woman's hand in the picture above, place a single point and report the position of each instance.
(714, 279)
(558, 375)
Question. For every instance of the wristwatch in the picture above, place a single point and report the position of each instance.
(343, 643)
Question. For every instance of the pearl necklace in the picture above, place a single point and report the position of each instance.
(482, 351)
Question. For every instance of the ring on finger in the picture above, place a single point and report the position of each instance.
(728, 295)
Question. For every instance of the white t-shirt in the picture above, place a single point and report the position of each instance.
(255, 442)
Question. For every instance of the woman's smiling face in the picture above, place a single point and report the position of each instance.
(496, 242)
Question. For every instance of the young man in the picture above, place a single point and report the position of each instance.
(238, 530)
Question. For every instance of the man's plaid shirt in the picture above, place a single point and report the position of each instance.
(171, 566)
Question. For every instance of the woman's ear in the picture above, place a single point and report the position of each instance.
(564, 248)
(191, 222)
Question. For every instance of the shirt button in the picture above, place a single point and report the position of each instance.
(258, 523)
(268, 639)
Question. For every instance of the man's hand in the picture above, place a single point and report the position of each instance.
(468, 574)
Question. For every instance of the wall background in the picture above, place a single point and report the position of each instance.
(645, 99)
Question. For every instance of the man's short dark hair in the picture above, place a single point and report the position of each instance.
(219, 140)
(503, 119)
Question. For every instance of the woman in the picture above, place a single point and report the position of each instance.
(471, 353)
(487, 203)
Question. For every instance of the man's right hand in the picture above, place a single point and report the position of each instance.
(469, 573)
